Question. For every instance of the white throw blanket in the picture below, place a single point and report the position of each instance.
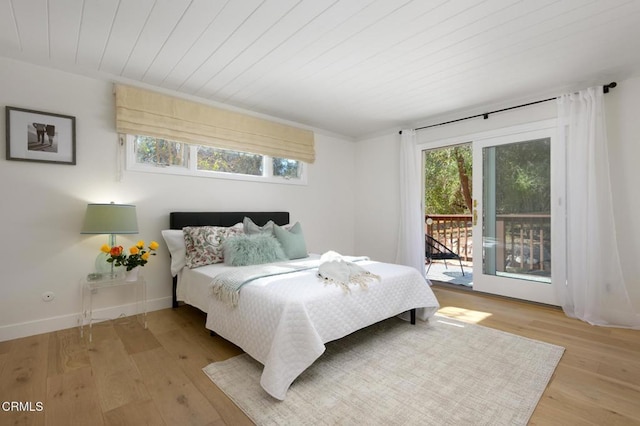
(334, 269)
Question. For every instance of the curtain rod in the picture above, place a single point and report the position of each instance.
(485, 115)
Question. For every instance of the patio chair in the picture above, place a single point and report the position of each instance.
(435, 250)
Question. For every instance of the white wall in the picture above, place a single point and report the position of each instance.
(623, 107)
(376, 194)
(377, 171)
(43, 204)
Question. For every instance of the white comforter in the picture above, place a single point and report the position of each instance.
(284, 321)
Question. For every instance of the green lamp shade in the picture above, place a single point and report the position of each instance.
(110, 219)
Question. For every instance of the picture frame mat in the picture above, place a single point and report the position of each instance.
(20, 124)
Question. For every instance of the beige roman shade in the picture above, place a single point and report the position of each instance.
(141, 112)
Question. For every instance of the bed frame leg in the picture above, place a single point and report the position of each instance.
(413, 316)
(174, 302)
(212, 333)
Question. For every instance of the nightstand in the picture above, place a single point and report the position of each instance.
(91, 286)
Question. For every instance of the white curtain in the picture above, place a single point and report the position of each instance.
(411, 229)
(595, 290)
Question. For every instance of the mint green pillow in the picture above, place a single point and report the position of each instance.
(250, 228)
(255, 249)
(292, 241)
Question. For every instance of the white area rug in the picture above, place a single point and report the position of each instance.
(443, 372)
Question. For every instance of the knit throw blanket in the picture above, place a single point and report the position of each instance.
(343, 274)
(226, 286)
(332, 267)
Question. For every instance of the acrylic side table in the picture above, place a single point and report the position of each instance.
(91, 287)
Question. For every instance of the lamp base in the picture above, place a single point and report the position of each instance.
(106, 269)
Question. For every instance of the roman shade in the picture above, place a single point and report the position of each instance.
(142, 112)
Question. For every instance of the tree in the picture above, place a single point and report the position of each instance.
(448, 180)
(464, 172)
(285, 168)
(161, 152)
(222, 160)
(522, 177)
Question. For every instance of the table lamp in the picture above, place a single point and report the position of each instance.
(109, 219)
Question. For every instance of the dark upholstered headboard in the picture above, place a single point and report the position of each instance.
(178, 220)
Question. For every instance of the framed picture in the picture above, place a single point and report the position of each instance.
(40, 136)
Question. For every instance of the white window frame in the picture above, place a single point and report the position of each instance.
(191, 170)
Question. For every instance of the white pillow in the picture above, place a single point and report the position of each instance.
(178, 250)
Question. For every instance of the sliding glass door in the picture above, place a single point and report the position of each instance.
(518, 226)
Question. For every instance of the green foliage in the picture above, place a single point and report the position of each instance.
(286, 168)
(523, 177)
(523, 182)
(443, 191)
(222, 160)
(160, 152)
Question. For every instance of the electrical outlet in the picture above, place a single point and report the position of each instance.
(48, 296)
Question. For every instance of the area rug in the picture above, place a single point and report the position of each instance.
(441, 372)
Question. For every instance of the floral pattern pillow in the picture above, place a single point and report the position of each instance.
(204, 244)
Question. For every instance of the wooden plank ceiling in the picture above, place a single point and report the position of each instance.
(353, 67)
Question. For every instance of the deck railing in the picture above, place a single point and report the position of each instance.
(522, 240)
(524, 243)
(454, 231)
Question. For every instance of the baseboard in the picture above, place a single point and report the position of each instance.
(47, 325)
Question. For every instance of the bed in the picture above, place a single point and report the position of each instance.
(284, 320)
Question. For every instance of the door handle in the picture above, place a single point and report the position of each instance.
(475, 212)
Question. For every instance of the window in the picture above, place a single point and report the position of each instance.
(223, 160)
(159, 152)
(288, 169)
(149, 154)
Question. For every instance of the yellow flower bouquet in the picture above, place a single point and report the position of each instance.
(138, 255)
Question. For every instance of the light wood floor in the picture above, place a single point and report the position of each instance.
(129, 375)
